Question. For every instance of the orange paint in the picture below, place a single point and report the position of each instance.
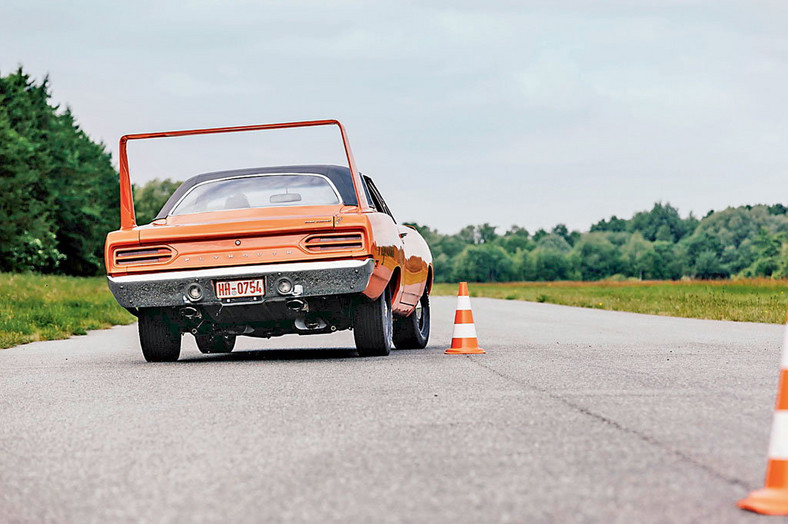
(777, 474)
(463, 316)
(464, 341)
(271, 235)
(773, 498)
(782, 390)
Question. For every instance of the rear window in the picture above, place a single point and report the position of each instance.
(278, 190)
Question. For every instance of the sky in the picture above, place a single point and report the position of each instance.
(507, 112)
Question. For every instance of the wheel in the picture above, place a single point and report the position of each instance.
(215, 343)
(413, 331)
(160, 337)
(372, 327)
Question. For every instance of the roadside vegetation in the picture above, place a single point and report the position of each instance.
(743, 242)
(48, 307)
(58, 188)
(745, 300)
(59, 198)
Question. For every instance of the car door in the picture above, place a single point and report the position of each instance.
(411, 265)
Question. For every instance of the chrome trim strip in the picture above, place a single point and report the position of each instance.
(241, 271)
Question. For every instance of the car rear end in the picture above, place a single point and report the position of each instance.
(260, 271)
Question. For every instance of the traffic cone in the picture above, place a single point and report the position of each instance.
(463, 340)
(773, 498)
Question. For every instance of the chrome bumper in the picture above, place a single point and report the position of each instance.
(310, 279)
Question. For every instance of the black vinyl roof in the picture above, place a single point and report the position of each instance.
(338, 175)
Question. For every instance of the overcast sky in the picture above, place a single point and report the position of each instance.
(508, 112)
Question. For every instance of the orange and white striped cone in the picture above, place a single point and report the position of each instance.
(463, 340)
(773, 498)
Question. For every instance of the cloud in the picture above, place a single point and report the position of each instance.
(182, 84)
(522, 112)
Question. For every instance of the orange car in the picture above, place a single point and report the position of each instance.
(269, 251)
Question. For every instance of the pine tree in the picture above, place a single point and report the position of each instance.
(58, 189)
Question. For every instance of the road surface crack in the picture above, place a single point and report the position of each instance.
(617, 425)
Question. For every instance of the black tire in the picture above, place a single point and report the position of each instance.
(160, 337)
(215, 343)
(413, 331)
(372, 327)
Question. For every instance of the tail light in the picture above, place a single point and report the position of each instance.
(146, 255)
(335, 242)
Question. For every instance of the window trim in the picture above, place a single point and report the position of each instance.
(375, 193)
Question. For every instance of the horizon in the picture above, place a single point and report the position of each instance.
(568, 114)
(691, 214)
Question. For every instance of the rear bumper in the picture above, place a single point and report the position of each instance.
(310, 279)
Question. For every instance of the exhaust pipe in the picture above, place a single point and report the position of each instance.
(297, 305)
(190, 313)
(311, 324)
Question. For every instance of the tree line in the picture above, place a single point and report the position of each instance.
(59, 198)
(58, 188)
(658, 244)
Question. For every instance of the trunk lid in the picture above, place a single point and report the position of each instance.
(240, 223)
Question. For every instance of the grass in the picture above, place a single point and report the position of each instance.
(746, 300)
(36, 307)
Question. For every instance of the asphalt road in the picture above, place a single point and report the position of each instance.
(573, 415)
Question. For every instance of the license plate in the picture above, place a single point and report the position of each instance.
(240, 288)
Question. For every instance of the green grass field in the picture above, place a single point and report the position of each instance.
(761, 300)
(35, 307)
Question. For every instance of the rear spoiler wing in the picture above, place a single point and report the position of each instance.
(127, 217)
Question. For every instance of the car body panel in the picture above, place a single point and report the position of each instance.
(360, 250)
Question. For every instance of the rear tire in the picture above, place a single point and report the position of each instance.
(215, 343)
(413, 331)
(372, 326)
(160, 337)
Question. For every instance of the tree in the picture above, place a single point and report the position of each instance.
(564, 233)
(444, 269)
(663, 220)
(615, 224)
(484, 263)
(486, 233)
(768, 248)
(701, 242)
(749, 240)
(596, 257)
(150, 198)
(550, 264)
(555, 243)
(86, 189)
(468, 235)
(636, 255)
(778, 209)
(26, 238)
(540, 233)
(516, 238)
(708, 266)
(58, 189)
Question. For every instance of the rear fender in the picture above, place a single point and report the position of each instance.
(381, 276)
(379, 283)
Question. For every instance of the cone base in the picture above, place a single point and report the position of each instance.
(465, 351)
(768, 501)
